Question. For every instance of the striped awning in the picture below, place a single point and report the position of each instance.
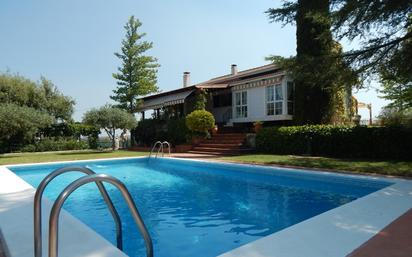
(165, 100)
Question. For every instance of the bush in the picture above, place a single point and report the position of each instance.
(393, 117)
(177, 131)
(200, 121)
(28, 148)
(73, 131)
(150, 130)
(48, 144)
(337, 141)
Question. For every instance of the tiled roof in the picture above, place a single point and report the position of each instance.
(222, 81)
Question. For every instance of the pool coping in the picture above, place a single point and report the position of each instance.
(335, 233)
(16, 200)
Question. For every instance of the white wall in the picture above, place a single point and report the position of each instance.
(256, 102)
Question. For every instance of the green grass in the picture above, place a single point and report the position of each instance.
(395, 168)
(19, 158)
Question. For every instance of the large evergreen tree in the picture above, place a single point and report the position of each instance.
(137, 76)
(319, 72)
(384, 29)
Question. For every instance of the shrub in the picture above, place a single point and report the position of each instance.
(49, 144)
(177, 131)
(28, 148)
(150, 130)
(337, 141)
(73, 131)
(200, 121)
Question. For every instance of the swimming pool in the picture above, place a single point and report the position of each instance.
(203, 209)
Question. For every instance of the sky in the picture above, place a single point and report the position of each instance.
(72, 42)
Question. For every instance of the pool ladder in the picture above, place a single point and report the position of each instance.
(159, 145)
(90, 177)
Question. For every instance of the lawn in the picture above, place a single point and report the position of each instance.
(396, 168)
(18, 158)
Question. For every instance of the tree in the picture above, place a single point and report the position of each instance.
(137, 75)
(61, 107)
(200, 103)
(383, 28)
(110, 119)
(396, 79)
(397, 90)
(27, 108)
(318, 70)
(43, 96)
(19, 125)
(391, 116)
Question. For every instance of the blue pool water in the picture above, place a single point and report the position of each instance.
(201, 209)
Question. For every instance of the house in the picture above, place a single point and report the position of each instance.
(239, 98)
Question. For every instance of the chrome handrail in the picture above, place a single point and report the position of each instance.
(58, 204)
(160, 150)
(38, 207)
(168, 146)
(154, 146)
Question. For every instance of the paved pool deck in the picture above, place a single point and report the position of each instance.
(395, 240)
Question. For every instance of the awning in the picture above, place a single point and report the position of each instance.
(165, 100)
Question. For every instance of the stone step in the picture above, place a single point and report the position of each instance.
(222, 141)
(218, 153)
(220, 145)
(213, 153)
(229, 135)
(213, 149)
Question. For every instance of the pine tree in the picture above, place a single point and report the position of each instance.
(137, 76)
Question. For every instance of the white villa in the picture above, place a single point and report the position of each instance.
(263, 93)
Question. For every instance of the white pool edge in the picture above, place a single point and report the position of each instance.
(334, 233)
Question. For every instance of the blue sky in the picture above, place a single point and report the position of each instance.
(72, 42)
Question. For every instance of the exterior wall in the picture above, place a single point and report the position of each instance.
(256, 103)
(220, 113)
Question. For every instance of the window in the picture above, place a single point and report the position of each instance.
(270, 100)
(241, 104)
(291, 95)
(278, 99)
(274, 100)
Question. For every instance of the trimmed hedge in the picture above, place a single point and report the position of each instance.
(337, 141)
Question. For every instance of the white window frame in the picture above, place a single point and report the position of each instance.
(270, 100)
(278, 100)
(241, 105)
(274, 100)
(290, 100)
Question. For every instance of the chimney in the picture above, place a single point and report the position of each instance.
(233, 69)
(186, 79)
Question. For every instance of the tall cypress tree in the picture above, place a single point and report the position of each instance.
(313, 45)
(318, 70)
(137, 75)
